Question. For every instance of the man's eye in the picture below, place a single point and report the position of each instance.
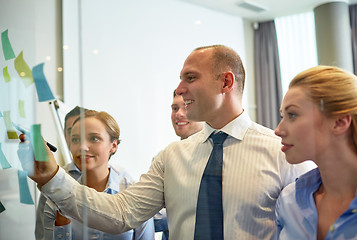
(190, 78)
(175, 109)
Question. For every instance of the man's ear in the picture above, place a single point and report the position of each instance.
(342, 124)
(229, 81)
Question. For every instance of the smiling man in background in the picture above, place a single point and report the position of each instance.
(183, 127)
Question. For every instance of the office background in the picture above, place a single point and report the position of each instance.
(123, 57)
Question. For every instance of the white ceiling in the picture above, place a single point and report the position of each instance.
(275, 8)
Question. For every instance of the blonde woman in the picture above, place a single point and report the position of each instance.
(319, 123)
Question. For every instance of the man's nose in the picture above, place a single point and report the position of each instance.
(181, 112)
(181, 88)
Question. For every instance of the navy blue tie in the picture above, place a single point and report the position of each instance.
(209, 213)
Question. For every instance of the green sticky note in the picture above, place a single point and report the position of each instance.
(38, 145)
(6, 75)
(2, 208)
(25, 195)
(11, 132)
(3, 161)
(22, 109)
(6, 46)
(23, 70)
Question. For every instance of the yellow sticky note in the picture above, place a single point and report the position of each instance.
(11, 132)
(23, 70)
(22, 109)
(6, 75)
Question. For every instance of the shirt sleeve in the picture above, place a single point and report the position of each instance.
(109, 213)
(49, 218)
(290, 172)
(145, 231)
(278, 220)
(160, 221)
(39, 230)
(62, 232)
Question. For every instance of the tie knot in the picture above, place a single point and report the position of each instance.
(219, 137)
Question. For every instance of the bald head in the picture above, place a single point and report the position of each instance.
(226, 59)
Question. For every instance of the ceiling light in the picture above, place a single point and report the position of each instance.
(248, 5)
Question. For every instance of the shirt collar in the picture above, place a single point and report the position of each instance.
(73, 168)
(113, 181)
(305, 186)
(235, 128)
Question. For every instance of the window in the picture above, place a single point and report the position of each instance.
(297, 45)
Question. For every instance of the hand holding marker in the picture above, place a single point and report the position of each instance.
(27, 133)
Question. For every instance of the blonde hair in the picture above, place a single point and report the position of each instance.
(333, 89)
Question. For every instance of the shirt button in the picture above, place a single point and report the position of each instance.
(59, 236)
(331, 228)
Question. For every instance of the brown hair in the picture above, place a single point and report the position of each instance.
(226, 59)
(73, 113)
(333, 89)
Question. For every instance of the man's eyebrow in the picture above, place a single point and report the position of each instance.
(188, 73)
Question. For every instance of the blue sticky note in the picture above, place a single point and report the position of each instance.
(2, 208)
(3, 161)
(44, 92)
(25, 195)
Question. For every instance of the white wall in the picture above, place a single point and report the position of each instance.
(141, 46)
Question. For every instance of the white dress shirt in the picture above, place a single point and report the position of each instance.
(254, 173)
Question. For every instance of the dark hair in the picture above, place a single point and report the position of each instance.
(73, 113)
(226, 59)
